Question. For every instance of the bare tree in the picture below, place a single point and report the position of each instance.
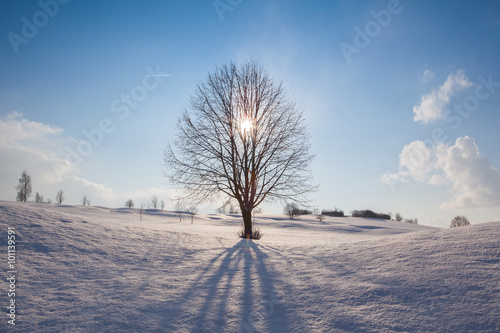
(398, 217)
(292, 210)
(85, 201)
(192, 210)
(60, 197)
(412, 221)
(129, 203)
(256, 211)
(162, 204)
(459, 221)
(154, 202)
(179, 208)
(234, 209)
(320, 217)
(241, 137)
(38, 198)
(24, 187)
(141, 210)
(229, 207)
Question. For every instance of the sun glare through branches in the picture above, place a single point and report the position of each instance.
(246, 125)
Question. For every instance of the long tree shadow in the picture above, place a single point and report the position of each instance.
(235, 292)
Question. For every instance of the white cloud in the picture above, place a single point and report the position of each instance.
(37, 147)
(427, 76)
(432, 106)
(417, 162)
(15, 130)
(76, 187)
(474, 182)
(416, 158)
(27, 144)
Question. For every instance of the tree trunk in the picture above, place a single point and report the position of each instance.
(247, 221)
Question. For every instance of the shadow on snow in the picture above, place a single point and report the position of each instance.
(236, 291)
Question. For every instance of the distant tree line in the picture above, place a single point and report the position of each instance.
(335, 212)
(293, 210)
(399, 218)
(370, 214)
(153, 203)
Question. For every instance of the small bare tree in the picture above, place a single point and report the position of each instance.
(162, 204)
(24, 187)
(256, 211)
(192, 210)
(60, 197)
(292, 210)
(398, 217)
(228, 207)
(141, 210)
(459, 221)
(412, 221)
(234, 209)
(129, 203)
(38, 198)
(241, 138)
(154, 202)
(85, 200)
(179, 208)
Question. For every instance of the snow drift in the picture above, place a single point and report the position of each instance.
(95, 269)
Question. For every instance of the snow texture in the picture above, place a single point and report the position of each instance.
(95, 269)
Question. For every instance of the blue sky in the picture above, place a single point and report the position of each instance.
(401, 97)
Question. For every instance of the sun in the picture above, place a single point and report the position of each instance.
(246, 125)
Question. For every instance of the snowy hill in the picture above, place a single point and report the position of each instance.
(95, 269)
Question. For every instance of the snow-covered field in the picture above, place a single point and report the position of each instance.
(95, 269)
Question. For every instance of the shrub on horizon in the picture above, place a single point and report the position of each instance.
(459, 221)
